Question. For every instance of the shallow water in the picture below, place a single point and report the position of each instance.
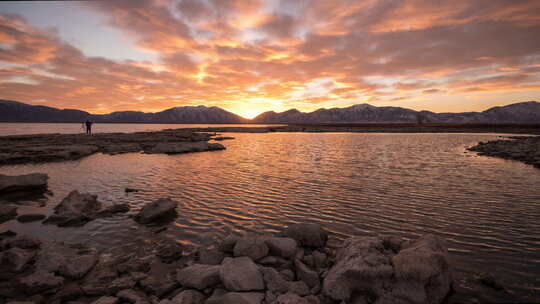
(487, 209)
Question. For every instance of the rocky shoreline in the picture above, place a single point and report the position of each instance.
(525, 149)
(39, 148)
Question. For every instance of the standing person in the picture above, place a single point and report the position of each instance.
(88, 124)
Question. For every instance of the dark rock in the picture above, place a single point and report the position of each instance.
(26, 218)
(28, 182)
(488, 279)
(78, 203)
(228, 243)
(106, 300)
(169, 252)
(283, 247)
(309, 276)
(290, 298)
(210, 256)
(25, 242)
(16, 259)
(188, 297)
(157, 211)
(253, 247)
(273, 281)
(128, 190)
(133, 296)
(7, 213)
(183, 147)
(309, 235)
(159, 285)
(243, 298)
(199, 276)
(41, 282)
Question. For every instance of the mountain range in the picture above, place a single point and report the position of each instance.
(523, 112)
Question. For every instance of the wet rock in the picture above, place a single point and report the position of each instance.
(128, 190)
(26, 218)
(287, 274)
(25, 242)
(243, 298)
(157, 211)
(319, 259)
(227, 245)
(7, 234)
(199, 276)
(183, 147)
(188, 297)
(16, 259)
(72, 262)
(210, 256)
(27, 182)
(283, 247)
(111, 210)
(309, 276)
(273, 281)
(40, 282)
(69, 291)
(220, 138)
(78, 203)
(106, 300)
(241, 274)
(7, 212)
(253, 247)
(169, 252)
(216, 297)
(133, 296)
(308, 235)
(159, 285)
(417, 274)
(488, 279)
(290, 298)
(299, 288)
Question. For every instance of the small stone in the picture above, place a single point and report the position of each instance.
(243, 298)
(158, 211)
(189, 297)
(133, 296)
(106, 300)
(310, 277)
(299, 288)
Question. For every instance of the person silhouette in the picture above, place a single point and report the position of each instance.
(88, 124)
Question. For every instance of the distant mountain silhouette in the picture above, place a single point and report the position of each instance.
(13, 111)
(524, 112)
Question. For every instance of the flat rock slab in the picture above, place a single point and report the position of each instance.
(27, 182)
(38, 148)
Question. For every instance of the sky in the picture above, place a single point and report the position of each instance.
(252, 56)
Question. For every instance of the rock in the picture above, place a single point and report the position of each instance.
(310, 277)
(199, 276)
(128, 190)
(417, 274)
(7, 212)
(287, 274)
(210, 256)
(78, 203)
(67, 220)
(159, 285)
(26, 218)
(220, 138)
(241, 274)
(159, 210)
(227, 245)
(27, 182)
(15, 259)
(290, 298)
(169, 252)
(106, 300)
(72, 262)
(309, 235)
(273, 281)
(25, 242)
(77, 267)
(183, 147)
(488, 279)
(319, 259)
(253, 247)
(243, 298)
(188, 297)
(69, 291)
(283, 247)
(41, 282)
(132, 296)
(216, 297)
(299, 288)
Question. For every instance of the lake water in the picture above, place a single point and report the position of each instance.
(487, 209)
(74, 128)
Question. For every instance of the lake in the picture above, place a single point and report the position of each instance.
(487, 209)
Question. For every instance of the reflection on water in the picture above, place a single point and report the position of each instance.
(354, 184)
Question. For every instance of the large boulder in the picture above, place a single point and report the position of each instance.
(199, 276)
(27, 182)
(241, 274)
(370, 267)
(308, 235)
(78, 203)
(157, 211)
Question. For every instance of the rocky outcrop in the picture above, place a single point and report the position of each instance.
(371, 268)
(365, 270)
(524, 149)
(40, 148)
(77, 209)
(28, 182)
(158, 211)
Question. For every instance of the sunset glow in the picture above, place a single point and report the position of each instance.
(252, 56)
